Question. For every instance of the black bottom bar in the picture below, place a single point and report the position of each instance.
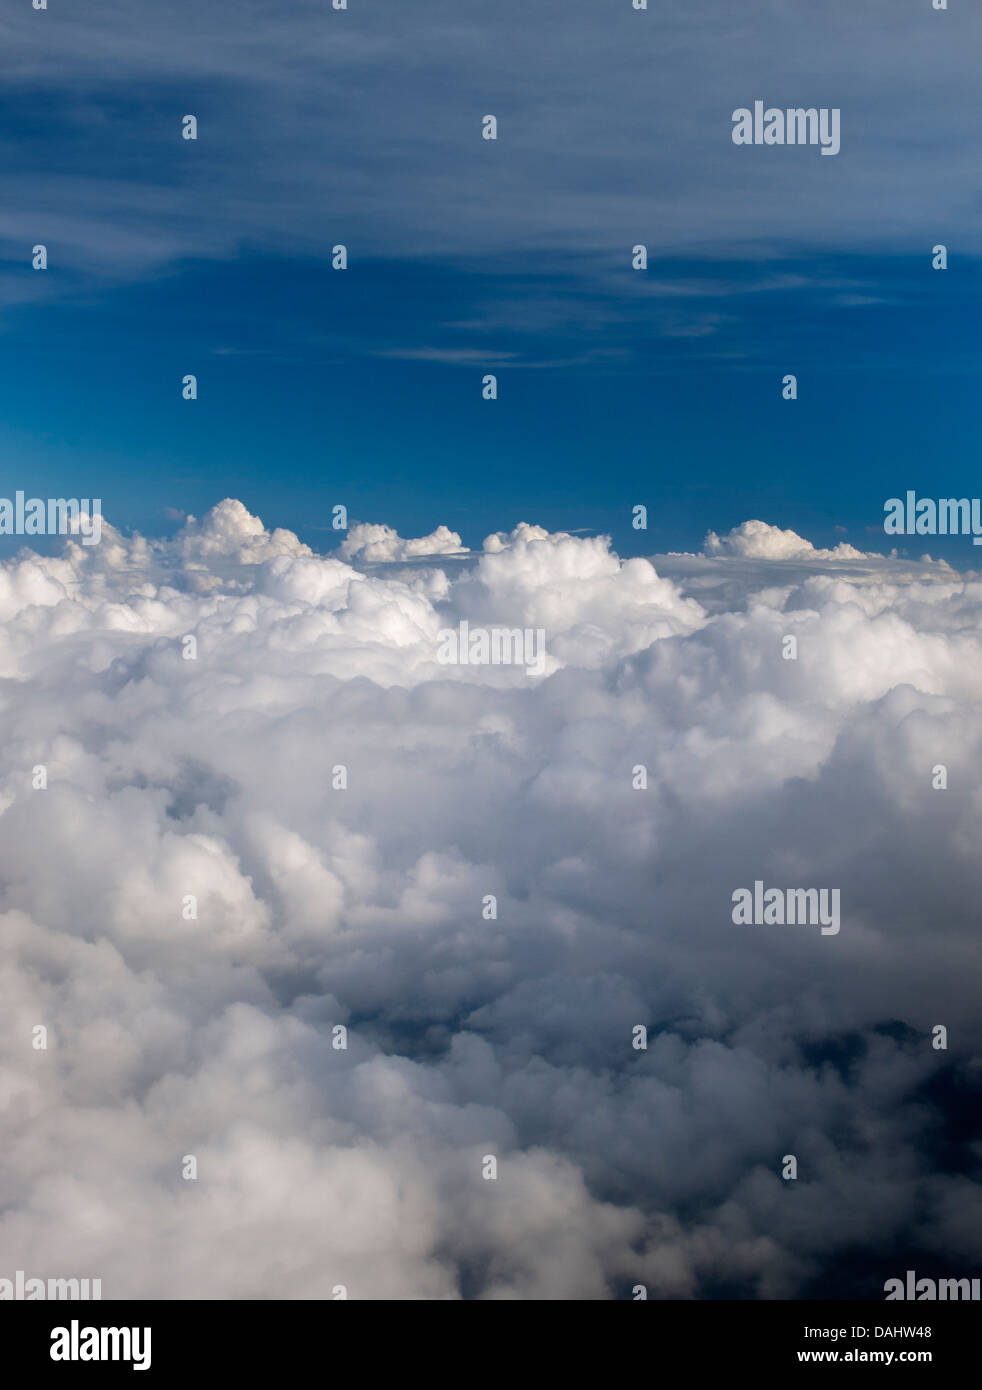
(398, 1338)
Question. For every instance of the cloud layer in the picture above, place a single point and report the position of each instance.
(363, 906)
(592, 100)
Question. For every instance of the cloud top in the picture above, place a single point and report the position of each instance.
(340, 807)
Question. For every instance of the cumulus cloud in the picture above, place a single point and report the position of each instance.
(759, 541)
(369, 542)
(340, 805)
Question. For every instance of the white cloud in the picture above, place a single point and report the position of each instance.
(363, 907)
(374, 543)
(758, 541)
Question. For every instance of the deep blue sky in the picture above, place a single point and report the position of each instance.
(364, 386)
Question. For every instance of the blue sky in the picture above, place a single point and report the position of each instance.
(615, 386)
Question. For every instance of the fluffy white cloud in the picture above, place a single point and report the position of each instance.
(317, 906)
(368, 542)
(758, 541)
